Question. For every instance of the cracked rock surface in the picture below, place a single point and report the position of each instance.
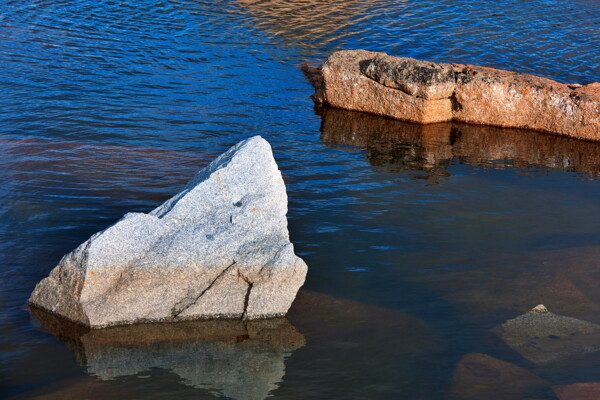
(218, 249)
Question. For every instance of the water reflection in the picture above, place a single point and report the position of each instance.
(233, 358)
(399, 146)
(308, 24)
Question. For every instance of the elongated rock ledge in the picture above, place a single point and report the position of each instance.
(426, 92)
(218, 249)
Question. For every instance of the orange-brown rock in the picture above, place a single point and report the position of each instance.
(346, 86)
(425, 92)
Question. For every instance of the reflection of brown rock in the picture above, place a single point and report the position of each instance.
(402, 145)
(240, 359)
(578, 391)
(309, 24)
(424, 92)
(95, 171)
(479, 376)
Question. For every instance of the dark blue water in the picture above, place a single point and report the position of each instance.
(420, 239)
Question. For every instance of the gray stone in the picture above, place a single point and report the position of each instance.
(542, 336)
(218, 249)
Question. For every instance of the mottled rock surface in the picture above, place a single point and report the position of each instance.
(425, 92)
(218, 249)
(542, 337)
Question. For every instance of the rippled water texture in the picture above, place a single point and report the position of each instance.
(419, 240)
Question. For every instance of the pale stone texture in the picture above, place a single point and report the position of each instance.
(542, 337)
(425, 92)
(218, 249)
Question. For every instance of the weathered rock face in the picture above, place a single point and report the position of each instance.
(218, 249)
(424, 92)
(345, 85)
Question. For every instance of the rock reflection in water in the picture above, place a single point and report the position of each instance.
(398, 146)
(308, 24)
(234, 358)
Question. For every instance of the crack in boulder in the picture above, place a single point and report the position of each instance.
(184, 305)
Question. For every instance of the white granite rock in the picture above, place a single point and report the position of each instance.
(218, 249)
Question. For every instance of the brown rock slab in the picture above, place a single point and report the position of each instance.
(346, 86)
(425, 92)
(502, 98)
(578, 391)
(479, 376)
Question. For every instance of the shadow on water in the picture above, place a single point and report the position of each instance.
(248, 359)
(232, 358)
(399, 146)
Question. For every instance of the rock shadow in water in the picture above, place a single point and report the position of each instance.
(234, 358)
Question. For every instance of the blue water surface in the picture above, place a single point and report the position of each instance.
(432, 238)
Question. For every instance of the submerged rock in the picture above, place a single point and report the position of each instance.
(218, 249)
(480, 376)
(578, 391)
(542, 336)
(425, 92)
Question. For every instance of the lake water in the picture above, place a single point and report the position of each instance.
(419, 240)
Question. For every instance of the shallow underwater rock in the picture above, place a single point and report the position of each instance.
(425, 92)
(578, 391)
(479, 376)
(218, 249)
(542, 337)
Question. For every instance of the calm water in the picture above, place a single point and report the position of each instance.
(418, 240)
